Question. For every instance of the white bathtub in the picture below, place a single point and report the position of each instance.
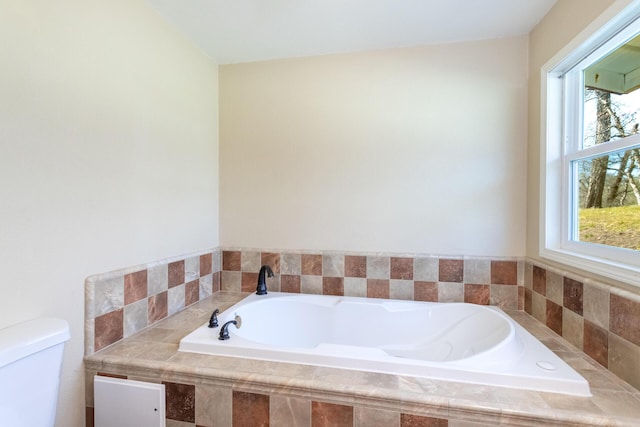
(445, 341)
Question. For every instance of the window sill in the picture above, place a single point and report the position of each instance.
(606, 268)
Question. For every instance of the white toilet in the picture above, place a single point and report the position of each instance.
(30, 365)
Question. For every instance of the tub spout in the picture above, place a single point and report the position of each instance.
(224, 331)
(261, 289)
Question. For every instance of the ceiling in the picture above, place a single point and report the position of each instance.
(232, 31)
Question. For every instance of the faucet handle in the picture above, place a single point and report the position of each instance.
(213, 322)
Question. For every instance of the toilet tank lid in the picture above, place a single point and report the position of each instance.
(26, 338)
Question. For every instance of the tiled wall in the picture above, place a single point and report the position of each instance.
(422, 278)
(602, 320)
(189, 405)
(120, 303)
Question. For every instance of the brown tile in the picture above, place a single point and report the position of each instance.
(596, 343)
(311, 265)
(105, 374)
(504, 272)
(573, 295)
(157, 308)
(355, 266)
(176, 273)
(250, 409)
(528, 300)
(135, 287)
(407, 420)
(476, 294)
(377, 288)
(290, 283)
(109, 328)
(231, 260)
(539, 280)
(206, 264)
(215, 282)
(89, 417)
(180, 402)
(249, 282)
(451, 270)
(331, 415)
(624, 318)
(554, 317)
(402, 268)
(333, 286)
(425, 291)
(272, 260)
(191, 293)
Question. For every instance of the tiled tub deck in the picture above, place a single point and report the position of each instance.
(209, 391)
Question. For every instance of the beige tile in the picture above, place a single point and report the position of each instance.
(572, 327)
(504, 296)
(477, 271)
(250, 261)
(291, 264)
(157, 279)
(425, 269)
(174, 423)
(450, 292)
(596, 305)
(539, 307)
(401, 289)
(333, 265)
(528, 275)
(311, 285)
(623, 404)
(555, 287)
(231, 281)
(355, 287)
(213, 406)
(369, 417)
(289, 412)
(378, 267)
(135, 317)
(624, 360)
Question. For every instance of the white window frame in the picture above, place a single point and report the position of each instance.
(561, 135)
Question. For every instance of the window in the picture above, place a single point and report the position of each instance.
(590, 193)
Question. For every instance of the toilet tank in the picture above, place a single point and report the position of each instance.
(30, 365)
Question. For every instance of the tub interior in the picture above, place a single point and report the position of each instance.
(445, 341)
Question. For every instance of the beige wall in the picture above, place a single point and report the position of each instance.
(564, 22)
(108, 156)
(416, 150)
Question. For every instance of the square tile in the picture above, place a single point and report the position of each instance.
(355, 287)
(157, 279)
(572, 290)
(311, 285)
(333, 286)
(476, 294)
(291, 264)
(425, 269)
(595, 305)
(271, 259)
(355, 266)
(401, 289)
(135, 286)
(250, 409)
(539, 280)
(206, 264)
(504, 272)
(180, 401)
(477, 271)
(378, 267)
(596, 343)
(624, 319)
(401, 268)
(425, 291)
(554, 317)
(377, 288)
(250, 261)
(109, 328)
(331, 415)
(290, 283)
(176, 273)
(231, 260)
(333, 265)
(311, 265)
(157, 307)
(450, 270)
(450, 292)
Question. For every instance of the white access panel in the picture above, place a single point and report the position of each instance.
(127, 403)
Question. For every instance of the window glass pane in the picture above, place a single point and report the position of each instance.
(611, 95)
(608, 192)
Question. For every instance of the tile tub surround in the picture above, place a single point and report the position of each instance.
(121, 303)
(206, 390)
(601, 320)
(497, 282)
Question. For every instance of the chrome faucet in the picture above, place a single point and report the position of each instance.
(261, 289)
